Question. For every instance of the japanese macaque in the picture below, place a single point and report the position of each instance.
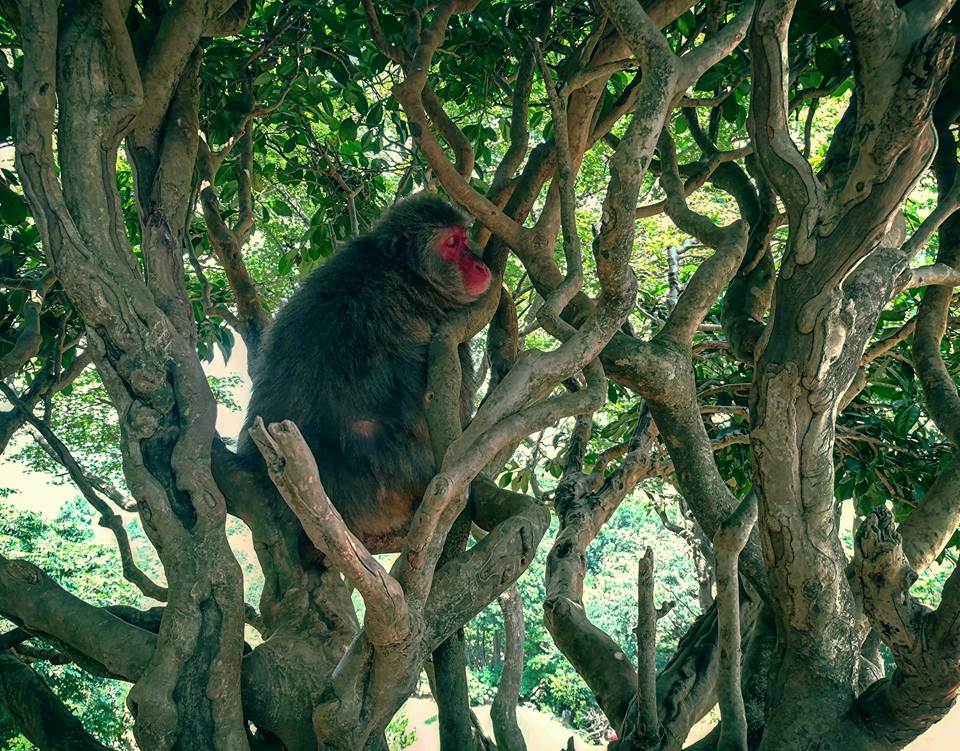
(346, 360)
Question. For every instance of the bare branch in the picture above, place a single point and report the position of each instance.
(583, 77)
(937, 274)
(689, 221)
(647, 728)
(783, 164)
(642, 36)
(930, 526)
(175, 41)
(923, 643)
(872, 22)
(40, 715)
(713, 274)
(294, 471)
(227, 243)
(410, 95)
(503, 711)
(462, 148)
(559, 298)
(468, 581)
(885, 576)
(943, 211)
(30, 598)
(923, 16)
(582, 511)
(728, 543)
(697, 181)
(391, 51)
(716, 47)
(879, 349)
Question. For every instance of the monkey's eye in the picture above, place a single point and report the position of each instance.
(451, 241)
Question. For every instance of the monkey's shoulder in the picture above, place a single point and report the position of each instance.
(356, 296)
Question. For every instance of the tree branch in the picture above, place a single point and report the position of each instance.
(503, 711)
(937, 274)
(294, 471)
(563, 293)
(923, 643)
(30, 598)
(728, 543)
(646, 729)
(43, 719)
(781, 160)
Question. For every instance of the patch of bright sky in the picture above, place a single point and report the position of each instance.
(34, 491)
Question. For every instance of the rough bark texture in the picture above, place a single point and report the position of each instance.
(789, 649)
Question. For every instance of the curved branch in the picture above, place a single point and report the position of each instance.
(781, 160)
(503, 711)
(563, 293)
(30, 598)
(43, 719)
(294, 471)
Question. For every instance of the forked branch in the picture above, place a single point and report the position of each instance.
(294, 471)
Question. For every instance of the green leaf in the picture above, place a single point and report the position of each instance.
(348, 129)
(613, 393)
(263, 79)
(374, 116)
(13, 209)
(829, 62)
(906, 419)
(730, 109)
(686, 23)
(281, 208)
(285, 263)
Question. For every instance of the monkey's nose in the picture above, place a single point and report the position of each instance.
(479, 266)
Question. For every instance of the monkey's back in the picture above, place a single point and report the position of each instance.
(345, 359)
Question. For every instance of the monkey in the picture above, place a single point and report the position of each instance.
(346, 360)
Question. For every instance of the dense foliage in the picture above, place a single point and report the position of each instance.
(772, 174)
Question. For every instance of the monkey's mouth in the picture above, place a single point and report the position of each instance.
(476, 278)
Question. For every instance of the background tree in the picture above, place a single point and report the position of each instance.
(760, 167)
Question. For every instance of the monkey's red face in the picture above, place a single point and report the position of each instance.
(455, 248)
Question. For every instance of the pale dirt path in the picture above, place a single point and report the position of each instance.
(944, 736)
(543, 732)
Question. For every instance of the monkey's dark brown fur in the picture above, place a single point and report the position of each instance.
(345, 359)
